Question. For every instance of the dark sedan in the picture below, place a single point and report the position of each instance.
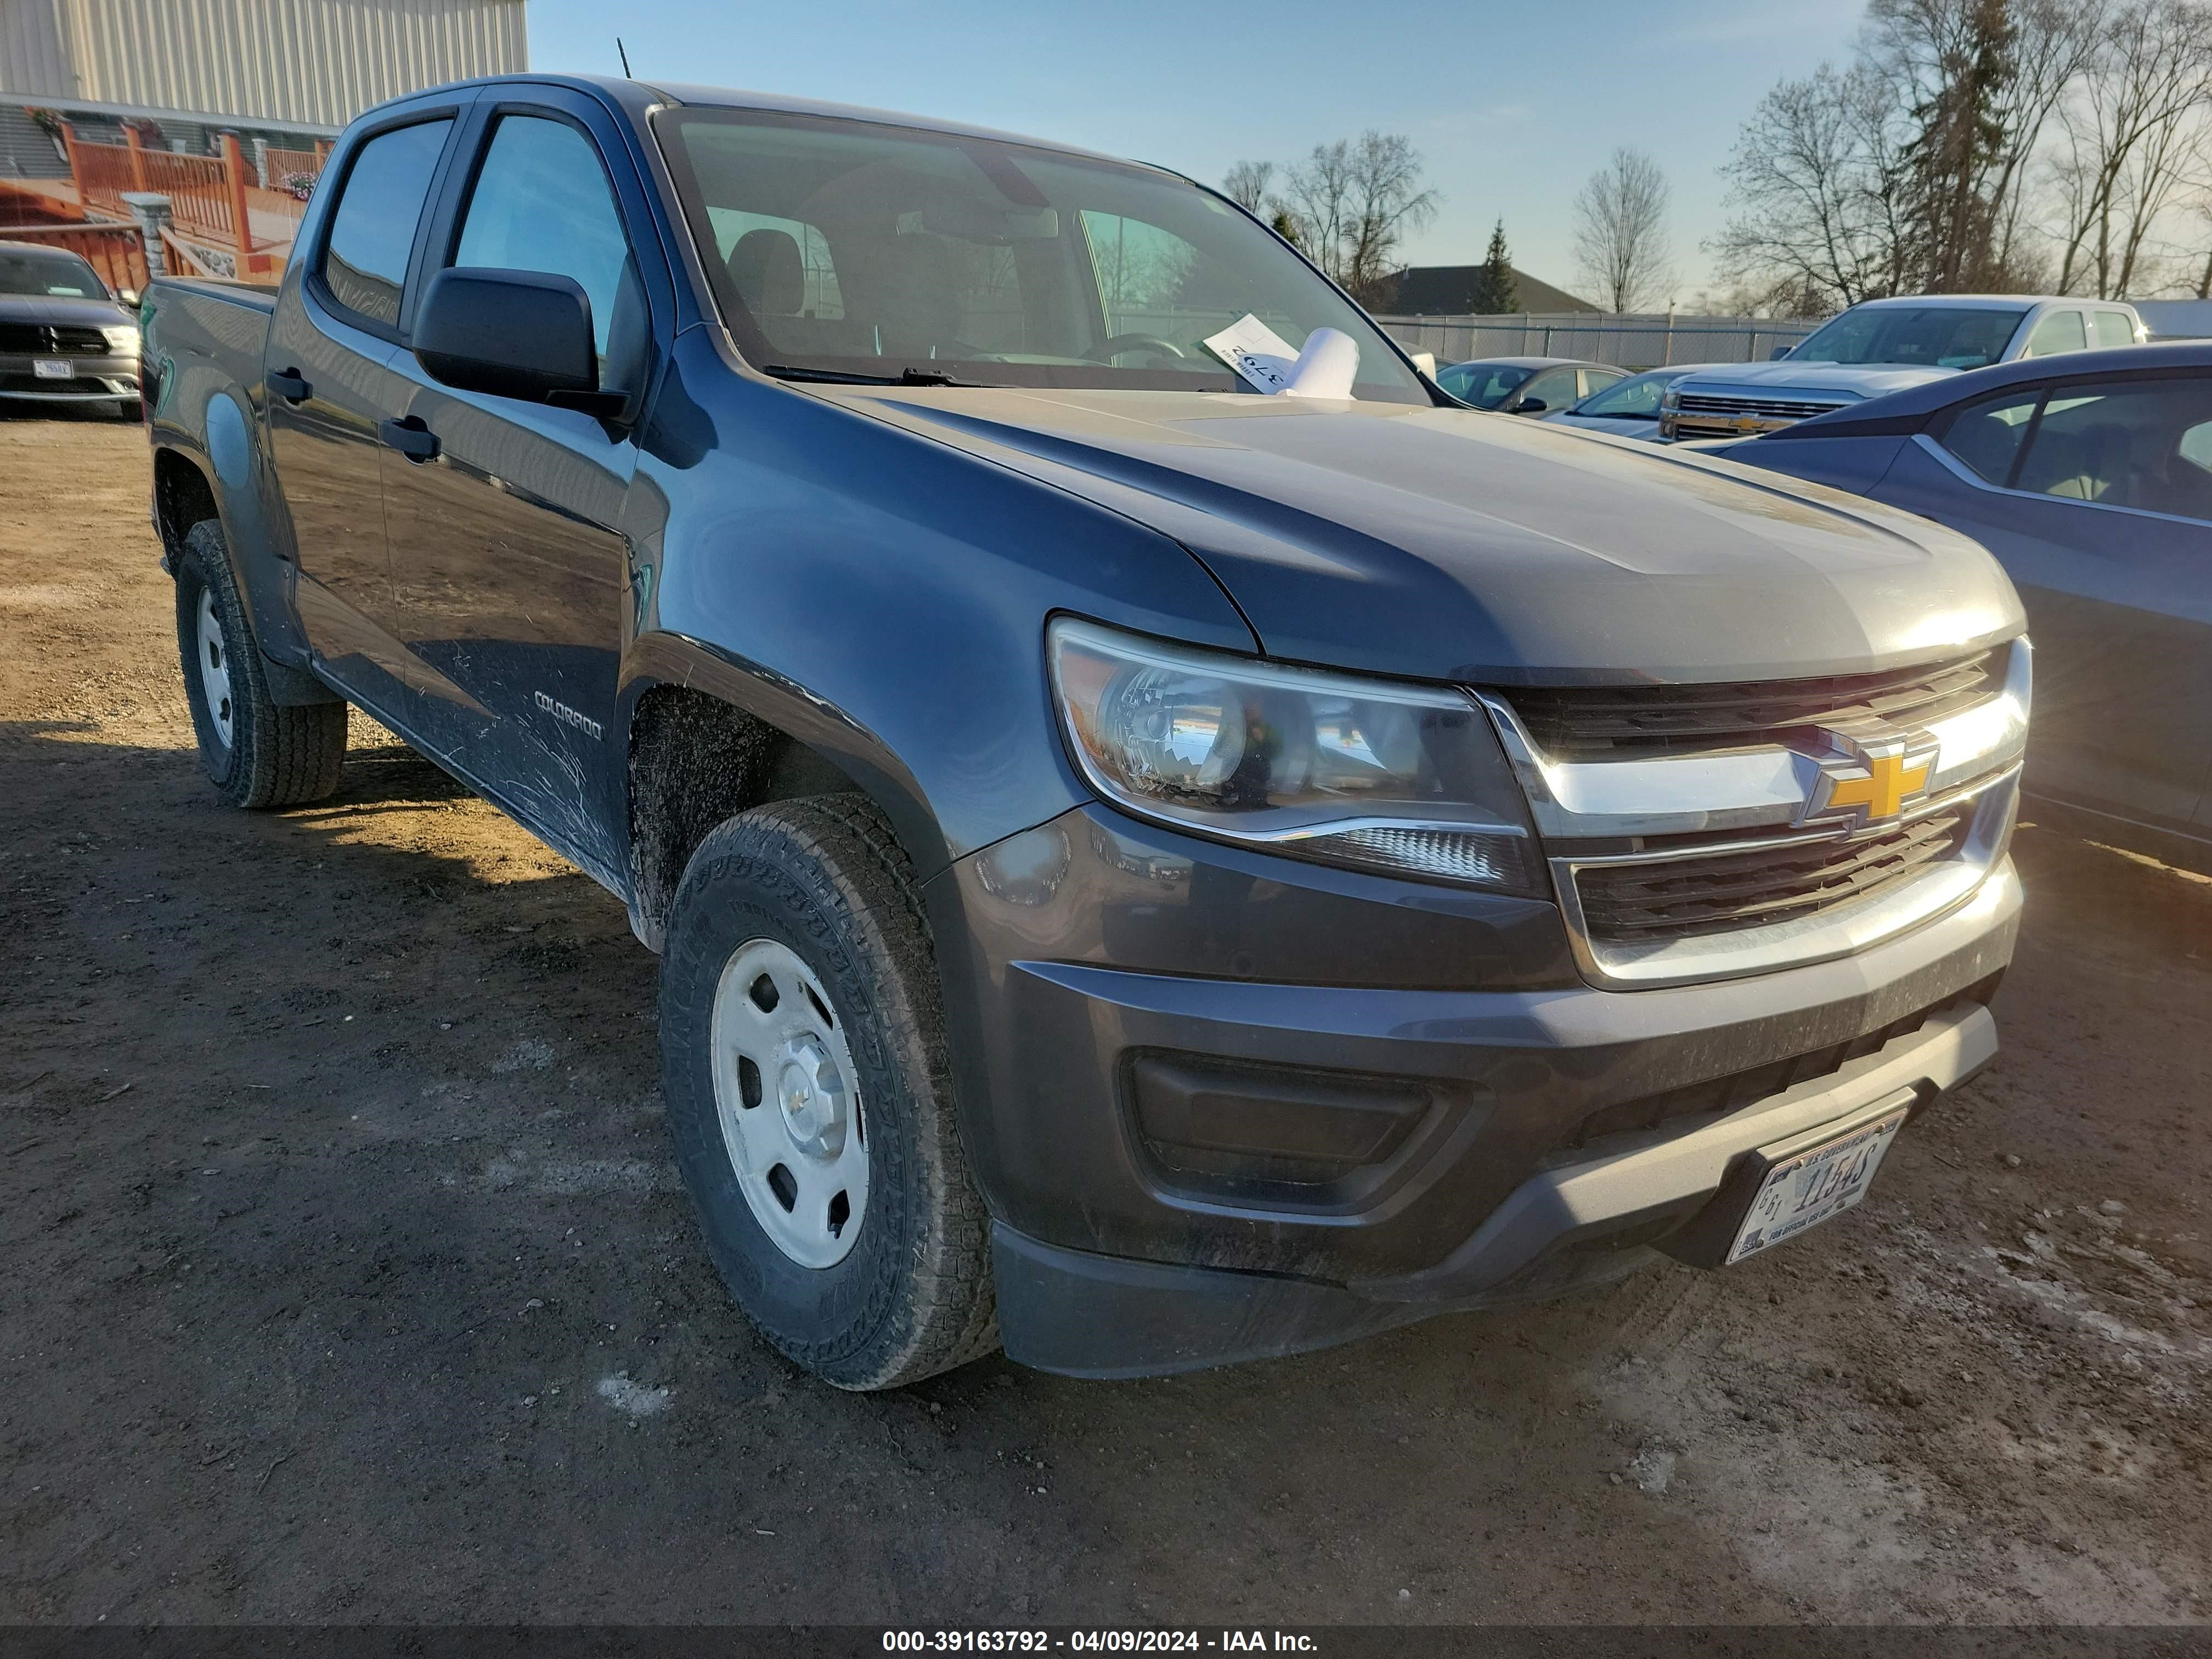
(2089, 476)
(1526, 386)
(64, 338)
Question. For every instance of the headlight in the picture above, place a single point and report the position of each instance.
(122, 338)
(1669, 401)
(1405, 778)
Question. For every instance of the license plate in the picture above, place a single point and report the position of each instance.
(52, 368)
(1807, 1187)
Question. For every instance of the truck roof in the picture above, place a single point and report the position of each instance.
(638, 97)
(1949, 300)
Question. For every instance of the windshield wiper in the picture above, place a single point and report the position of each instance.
(840, 377)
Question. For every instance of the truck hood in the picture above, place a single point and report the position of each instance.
(1444, 544)
(1860, 380)
(60, 308)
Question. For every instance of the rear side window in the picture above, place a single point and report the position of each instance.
(1554, 388)
(2124, 443)
(2061, 331)
(542, 203)
(2113, 329)
(373, 231)
(1987, 435)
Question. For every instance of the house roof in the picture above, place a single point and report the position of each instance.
(1448, 291)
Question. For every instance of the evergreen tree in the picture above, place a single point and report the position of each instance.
(1497, 291)
(1956, 150)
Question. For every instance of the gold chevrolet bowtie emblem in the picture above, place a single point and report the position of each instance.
(1890, 781)
(1869, 778)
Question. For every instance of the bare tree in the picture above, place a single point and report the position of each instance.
(1620, 232)
(1246, 184)
(1817, 180)
(1921, 165)
(1350, 204)
(2132, 132)
(2054, 43)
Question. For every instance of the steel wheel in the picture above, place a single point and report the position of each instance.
(215, 671)
(786, 1093)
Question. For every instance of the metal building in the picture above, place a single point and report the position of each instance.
(299, 66)
(187, 135)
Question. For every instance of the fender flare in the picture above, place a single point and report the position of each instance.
(665, 658)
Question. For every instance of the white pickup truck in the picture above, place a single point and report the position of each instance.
(1882, 346)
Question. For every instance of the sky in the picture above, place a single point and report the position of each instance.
(1512, 107)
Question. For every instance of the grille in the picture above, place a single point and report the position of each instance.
(1721, 1095)
(1766, 409)
(1584, 720)
(48, 340)
(1679, 898)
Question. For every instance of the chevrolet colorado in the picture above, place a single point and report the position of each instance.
(1147, 870)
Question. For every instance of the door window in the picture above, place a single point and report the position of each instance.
(1555, 386)
(542, 203)
(2113, 329)
(2061, 331)
(373, 231)
(1595, 379)
(1986, 434)
(2125, 443)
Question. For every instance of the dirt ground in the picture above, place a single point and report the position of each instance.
(349, 1279)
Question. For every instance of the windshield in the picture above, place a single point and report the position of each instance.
(62, 275)
(1484, 384)
(848, 249)
(1637, 395)
(1921, 336)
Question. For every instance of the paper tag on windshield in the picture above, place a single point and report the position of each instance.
(1258, 354)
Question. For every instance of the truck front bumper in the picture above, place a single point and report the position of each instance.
(1184, 1171)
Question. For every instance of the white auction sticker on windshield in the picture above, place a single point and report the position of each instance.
(1255, 351)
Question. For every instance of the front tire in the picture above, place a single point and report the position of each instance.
(808, 1087)
(256, 753)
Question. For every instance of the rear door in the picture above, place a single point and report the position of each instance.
(329, 385)
(2096, 497)
(508, 554)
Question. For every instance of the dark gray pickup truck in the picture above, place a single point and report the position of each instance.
(1158, 856)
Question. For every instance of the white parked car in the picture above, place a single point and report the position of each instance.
(1883, 346)
(1629, 408)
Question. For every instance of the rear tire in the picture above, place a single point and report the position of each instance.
(256, 753)
(799, 1029)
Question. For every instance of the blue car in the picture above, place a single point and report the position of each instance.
(2089, 476)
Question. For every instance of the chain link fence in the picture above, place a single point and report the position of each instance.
(1628, 342)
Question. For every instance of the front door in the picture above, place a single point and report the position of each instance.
(511, 570)
(330, 385)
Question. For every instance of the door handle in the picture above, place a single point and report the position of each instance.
(287, 384)
(410, 437)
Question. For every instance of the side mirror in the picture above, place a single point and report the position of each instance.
(1530, 406)
(1779, 353)
(128, 296)
(521, 334)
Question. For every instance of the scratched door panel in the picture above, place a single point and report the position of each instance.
(511, 576)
